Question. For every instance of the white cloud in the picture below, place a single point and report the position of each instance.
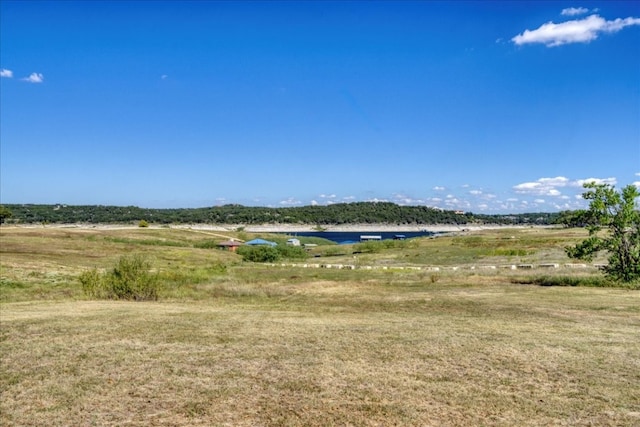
(637, 173)
(636, 183)
(34, 78)
(290, 202)
(610, 181)
(402, 199)
(475, 192)
(575, 31)
(543, 186)
(438, 188)
(573, 11)
(314, 203)
(549, 186)
(6, 73)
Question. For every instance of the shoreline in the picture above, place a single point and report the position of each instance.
(293, 228)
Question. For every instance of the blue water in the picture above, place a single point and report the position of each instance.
(346, 237)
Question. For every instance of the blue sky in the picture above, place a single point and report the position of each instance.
(488, 107)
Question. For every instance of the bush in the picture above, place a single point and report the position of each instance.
(259, 253)
(292, 252)
(92, 283)
(130, 279)
(143, 223)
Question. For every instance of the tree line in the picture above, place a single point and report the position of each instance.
(338, 214)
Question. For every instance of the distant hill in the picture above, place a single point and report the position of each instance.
(335, 214)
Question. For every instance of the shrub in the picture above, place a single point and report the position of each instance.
(92, 283)
(130, 279)
(143, 223)
(292, 252)
(259, 253)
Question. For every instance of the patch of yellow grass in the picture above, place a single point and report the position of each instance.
(488, 354)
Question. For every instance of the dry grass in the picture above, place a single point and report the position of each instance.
(295, 347)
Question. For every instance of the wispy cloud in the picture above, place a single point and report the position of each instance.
(34, 78)
(573, 11)
(549, 187)
(574, 31)
(438, 188)
(291, 201)
(6, 73)
(403, 199)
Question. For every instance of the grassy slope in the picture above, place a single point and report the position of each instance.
(264, 346)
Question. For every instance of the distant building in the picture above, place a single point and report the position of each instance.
(293, 242)
(260, 242)
(230, 245)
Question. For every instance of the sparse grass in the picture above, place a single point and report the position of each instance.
(232, 343)
(598, 281)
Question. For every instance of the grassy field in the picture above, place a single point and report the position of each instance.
(236, 344)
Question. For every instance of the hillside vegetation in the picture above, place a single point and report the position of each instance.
(339, 213)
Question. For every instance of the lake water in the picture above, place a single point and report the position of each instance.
(346, 237)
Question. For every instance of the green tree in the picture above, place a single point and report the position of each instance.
(613, 222)
(5, 213)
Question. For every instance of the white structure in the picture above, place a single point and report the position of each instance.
(293, 242)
